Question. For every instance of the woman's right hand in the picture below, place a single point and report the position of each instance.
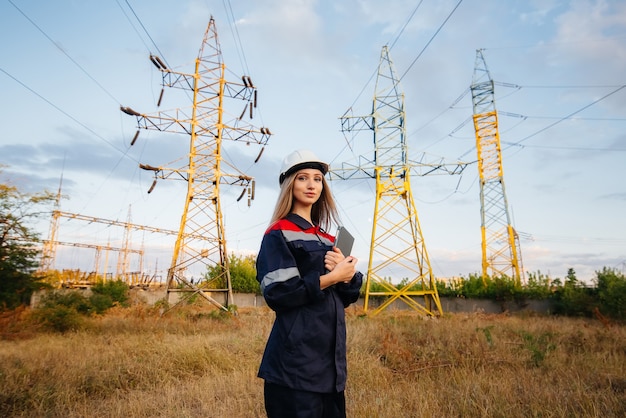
(342, 273)
(345, 269)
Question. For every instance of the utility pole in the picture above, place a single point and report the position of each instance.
(201, 240)
(50, 245)
(122, 261)
(501, 251)
(49, 250)
(397, 245)
(66, 281)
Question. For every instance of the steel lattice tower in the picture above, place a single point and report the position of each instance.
(397, 244)
(49, 249)
(501, 254)
(201, 240)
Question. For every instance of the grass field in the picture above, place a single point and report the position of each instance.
(197, 363)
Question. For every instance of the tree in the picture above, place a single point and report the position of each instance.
(242, 274)
(612, 293)
(573, 298)
(19, 248)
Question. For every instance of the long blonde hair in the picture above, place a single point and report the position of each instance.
(323, 213)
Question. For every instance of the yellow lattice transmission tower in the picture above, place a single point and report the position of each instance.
(201, 240)
(397, 246)
(122, 272)
(49, 249)
(501, 253)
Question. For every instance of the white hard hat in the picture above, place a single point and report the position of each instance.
(298, 160)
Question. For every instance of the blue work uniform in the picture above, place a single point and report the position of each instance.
(306, 349)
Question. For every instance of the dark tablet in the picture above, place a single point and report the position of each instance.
(344, 241)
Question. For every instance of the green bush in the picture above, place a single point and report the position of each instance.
(538, 286)
(573, 298)
(100, 303)
(109, 293)
(63, 310)
(503, 289)
(611, 291)
(242, 274)
(473, 287)
(58, 318)
(72, 299)
(569, 296)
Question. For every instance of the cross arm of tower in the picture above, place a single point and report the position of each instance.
(364, 169)
(111, 222)
(367, 168)
(424, 167)
(245, 132)
(357, 123)
(94, 246)
(237, 90)
(182, 173)
(175, 121)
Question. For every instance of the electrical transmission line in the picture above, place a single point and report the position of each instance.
(201, 242)
(501, 251)
(397, 245)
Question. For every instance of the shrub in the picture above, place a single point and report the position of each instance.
(503, 289)
(100, 303)
(573, 298)
(611, 290)
(473, 287)
(73, 299)
(62, 310)
(108, 293)
(538, 286)
(58, 318)
(242, 274)
(569, 296)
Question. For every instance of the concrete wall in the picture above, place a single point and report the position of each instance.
(448, 305)
(452, 305)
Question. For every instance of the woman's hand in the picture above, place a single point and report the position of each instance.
(345, 269)
(342, 272)
(332, 258)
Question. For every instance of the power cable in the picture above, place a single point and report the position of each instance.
(239, 46)
(520, 116)
(416, 58)
(147, 33)
(518, 143)
(64, 53)
(240, 52)
(391, 47)
(454, 103)
(567, 148)
(132, 25)
(123, 152)
(431, 39)
(521, 86)
(405, 25)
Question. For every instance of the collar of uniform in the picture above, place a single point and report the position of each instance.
(299, 221)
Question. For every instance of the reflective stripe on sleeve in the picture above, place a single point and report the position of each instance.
(280, 275)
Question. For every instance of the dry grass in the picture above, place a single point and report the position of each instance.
(131, 363)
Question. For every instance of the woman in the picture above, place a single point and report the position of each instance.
(308, 283)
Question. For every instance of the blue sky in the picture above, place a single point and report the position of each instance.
(559, 68)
